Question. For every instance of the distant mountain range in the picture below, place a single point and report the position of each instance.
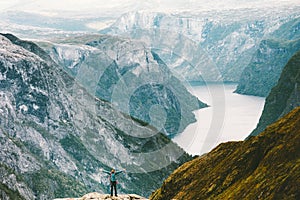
(207, 46)
(196, 46)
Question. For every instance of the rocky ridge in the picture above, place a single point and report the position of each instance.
(98, 196)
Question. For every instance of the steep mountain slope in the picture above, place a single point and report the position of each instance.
(264, 167)
(129, 75)
(209, 46)
(265, 68)
(288, 30)
(263, 72)
(284, 96)
(55, 135)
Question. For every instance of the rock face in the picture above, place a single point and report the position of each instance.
(97, 196)
(263, 167)
(284, 96)
(55, 135)
(205, 46)
(130, 76)
(264, 70)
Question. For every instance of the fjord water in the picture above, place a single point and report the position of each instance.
(230, 117)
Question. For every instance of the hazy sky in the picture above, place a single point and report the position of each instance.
(117, 7)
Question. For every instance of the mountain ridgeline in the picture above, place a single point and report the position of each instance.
(209, 46)
(55, 135)
(263, 167)
(283, 97)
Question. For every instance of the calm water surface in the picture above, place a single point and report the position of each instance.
(230, 117)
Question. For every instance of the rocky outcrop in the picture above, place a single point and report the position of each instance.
(97, 196)
(263, 167)
(284, 97)
(55, 135)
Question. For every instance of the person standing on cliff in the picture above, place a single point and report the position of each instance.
(113, 180)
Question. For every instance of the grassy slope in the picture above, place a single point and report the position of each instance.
(264, 167)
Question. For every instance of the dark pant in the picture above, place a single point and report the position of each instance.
(113, 184)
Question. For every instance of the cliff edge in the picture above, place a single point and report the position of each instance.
(98, 196)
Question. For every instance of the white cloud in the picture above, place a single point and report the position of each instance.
(7, 4)
(118, 7)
